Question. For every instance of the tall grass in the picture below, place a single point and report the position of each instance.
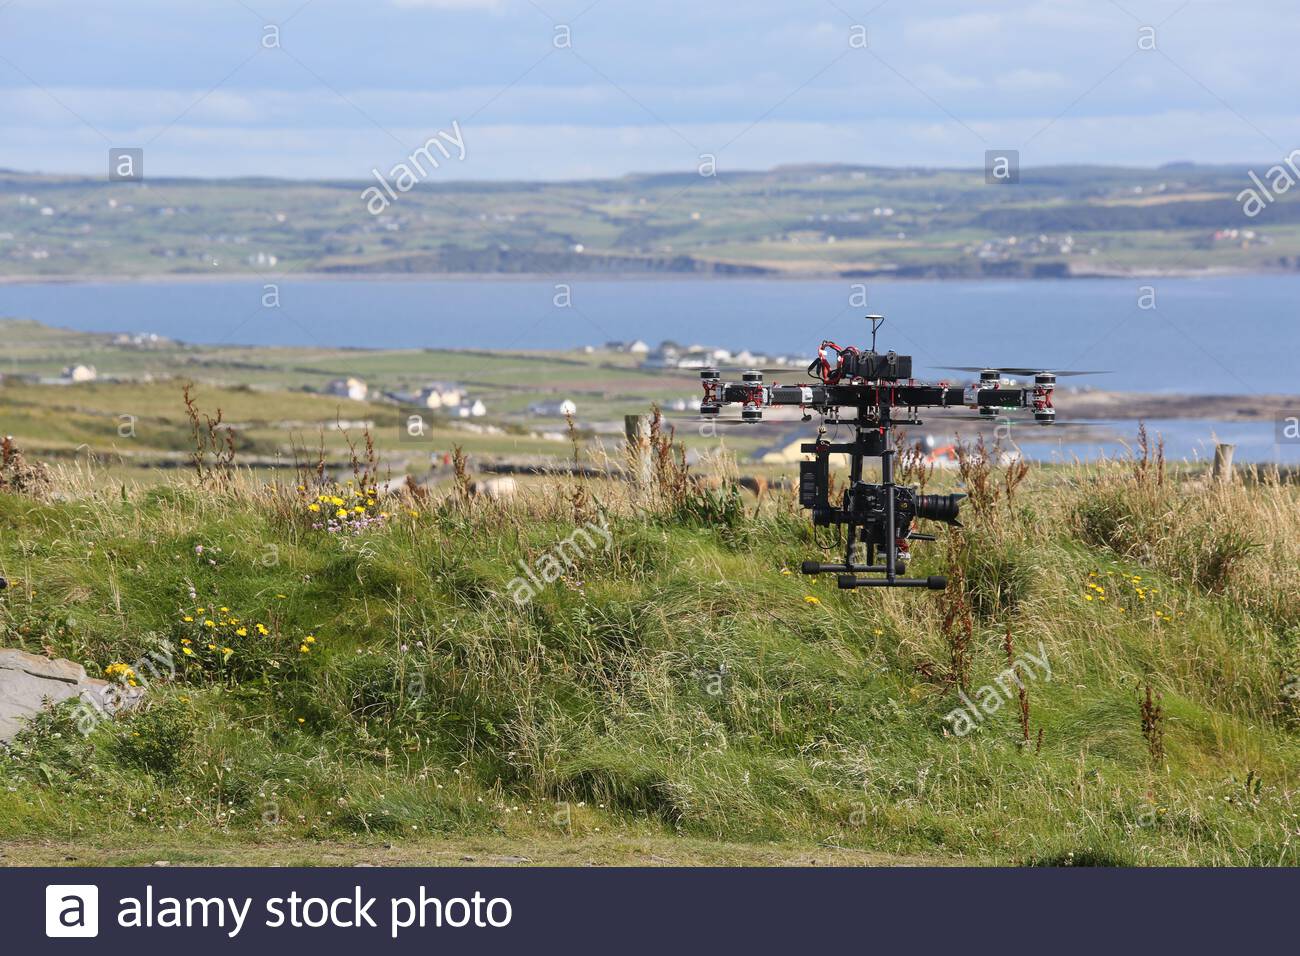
(681, 679)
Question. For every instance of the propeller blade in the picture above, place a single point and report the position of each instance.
(1020, 370)
(1087, 424)
(738, 370)
(1005, 421)
(971, 417)
(1067, 372)
(720, 421)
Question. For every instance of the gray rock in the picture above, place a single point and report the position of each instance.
(497, 489)
(28, 683)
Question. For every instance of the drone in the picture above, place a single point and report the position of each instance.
(872, 392)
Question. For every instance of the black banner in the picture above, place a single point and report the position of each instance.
(622, 911)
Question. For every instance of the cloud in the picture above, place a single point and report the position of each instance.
(449, 4)
(1026, 80)
(959, 31)
(412, 66)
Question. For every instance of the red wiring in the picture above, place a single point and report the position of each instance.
(829, 375)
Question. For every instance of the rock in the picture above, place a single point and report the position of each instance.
(29, 682)
(394, 485)
(498, 489)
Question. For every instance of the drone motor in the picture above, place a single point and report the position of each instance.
(1044, 386)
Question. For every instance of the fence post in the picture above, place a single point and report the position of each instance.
(636, 428)
(1223, 462)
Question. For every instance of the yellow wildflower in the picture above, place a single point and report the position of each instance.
(242, 632)
(313, 507)
(810, 599)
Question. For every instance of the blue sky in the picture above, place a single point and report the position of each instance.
(645, 86)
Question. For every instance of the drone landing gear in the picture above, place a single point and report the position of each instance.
(847, 581)
(935, 582)
(878, 518)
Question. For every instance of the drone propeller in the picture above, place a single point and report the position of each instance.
(1004, 420)
(719, 421)
(1020, 370)
(731, 370)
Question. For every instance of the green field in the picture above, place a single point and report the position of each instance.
(133, 419)
(674, 696)
(797, 220)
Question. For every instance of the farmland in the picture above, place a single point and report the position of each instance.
(791, 221)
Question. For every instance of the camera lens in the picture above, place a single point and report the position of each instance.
(938, 507)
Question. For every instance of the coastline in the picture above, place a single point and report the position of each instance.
(180, 278)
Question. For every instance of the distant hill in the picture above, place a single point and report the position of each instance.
(836, 220)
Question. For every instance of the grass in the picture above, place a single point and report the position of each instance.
(677, 695)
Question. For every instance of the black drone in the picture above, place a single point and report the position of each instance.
(872, 392)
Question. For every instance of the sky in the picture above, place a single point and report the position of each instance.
(572, 89)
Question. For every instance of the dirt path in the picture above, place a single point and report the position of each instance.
(612, 850)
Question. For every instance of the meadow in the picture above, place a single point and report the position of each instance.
(337, 675)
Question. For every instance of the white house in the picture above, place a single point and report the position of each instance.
(441, 395)
(353, 388)
(639, 347)
(475, 409)
(79, 373)
(663, 357)
(553, 409)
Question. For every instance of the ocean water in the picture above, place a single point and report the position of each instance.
(1185, 439)
(1222, 335)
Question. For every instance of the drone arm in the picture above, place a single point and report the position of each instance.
(902, 396)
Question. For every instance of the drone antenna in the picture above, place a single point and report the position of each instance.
(876, 322)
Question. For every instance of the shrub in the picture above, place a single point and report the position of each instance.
(155, 739)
